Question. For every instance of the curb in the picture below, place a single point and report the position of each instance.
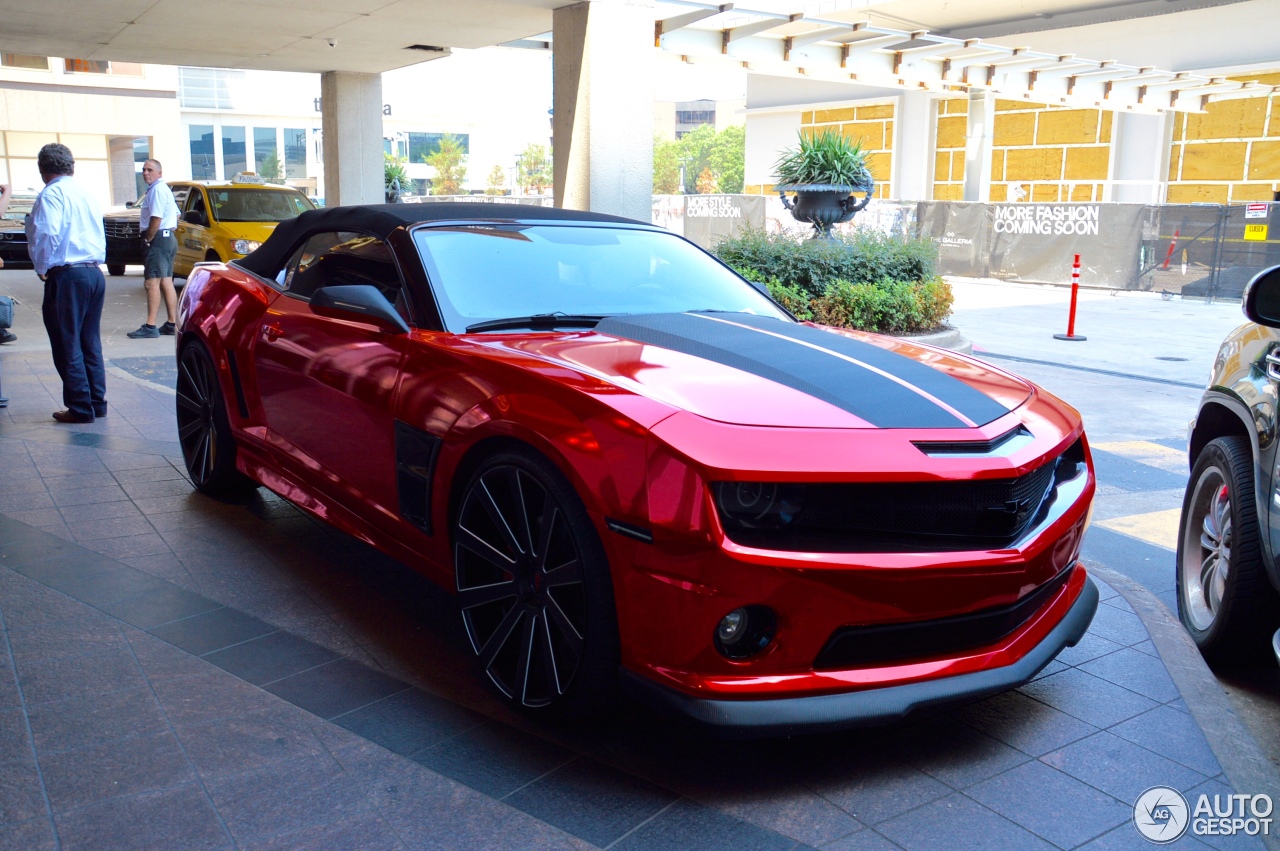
(1244, 764)
(948, 338)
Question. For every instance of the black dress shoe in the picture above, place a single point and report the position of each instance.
(7, 336)
(72, 417)
(4, 401)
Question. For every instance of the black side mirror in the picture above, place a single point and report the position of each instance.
(358, 303)
(195, 217)
(1262, 298)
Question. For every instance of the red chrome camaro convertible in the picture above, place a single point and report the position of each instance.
(635, 469)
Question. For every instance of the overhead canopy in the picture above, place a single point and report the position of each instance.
(369, 36)
(888, 45)
(1018, 50)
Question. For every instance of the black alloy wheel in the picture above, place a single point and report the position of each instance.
(1225, 601)
(208, 449)
(534, 587)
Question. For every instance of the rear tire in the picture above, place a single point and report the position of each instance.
(534, 588)
(1225, 600)
(115, 269)
(208, 449)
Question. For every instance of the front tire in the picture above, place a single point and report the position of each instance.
(534, 588)
(1224, 598)
(208, 449)
(115, 269)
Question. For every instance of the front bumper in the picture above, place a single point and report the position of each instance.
(822, 713)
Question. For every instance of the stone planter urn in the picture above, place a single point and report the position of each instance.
(825, 204)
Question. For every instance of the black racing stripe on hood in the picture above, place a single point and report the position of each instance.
(776, 350)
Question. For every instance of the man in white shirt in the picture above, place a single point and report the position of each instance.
(158, 218)
(66, 244)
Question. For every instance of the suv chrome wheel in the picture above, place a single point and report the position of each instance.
(1224, 598)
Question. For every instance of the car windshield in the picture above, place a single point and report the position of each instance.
(256, 205)
(487, 272)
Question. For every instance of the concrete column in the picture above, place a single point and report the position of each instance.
(351, 120)
(977, 146)
(603, 116)
(1139, 151)
(915, 143)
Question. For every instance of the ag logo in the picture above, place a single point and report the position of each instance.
(1161, 814)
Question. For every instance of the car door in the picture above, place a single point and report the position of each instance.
(328, 385)
(191, 232)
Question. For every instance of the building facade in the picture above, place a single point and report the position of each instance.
(112, 115)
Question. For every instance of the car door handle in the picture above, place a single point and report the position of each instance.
(1273, 365)
(271, 333)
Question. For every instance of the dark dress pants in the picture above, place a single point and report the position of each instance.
(72, 309)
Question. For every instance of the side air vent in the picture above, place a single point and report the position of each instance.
(427, 48)
(415, 462)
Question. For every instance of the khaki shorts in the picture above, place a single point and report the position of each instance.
(160, 255)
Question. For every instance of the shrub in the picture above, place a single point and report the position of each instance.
(886, 306)
(812, 265)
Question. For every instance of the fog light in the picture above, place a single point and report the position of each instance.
(730, 629)
(745, 631)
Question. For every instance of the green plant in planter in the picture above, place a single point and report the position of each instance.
(825, 160)
(824, 169)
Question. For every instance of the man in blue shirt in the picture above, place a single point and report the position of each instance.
(66, 243)
(158, 218)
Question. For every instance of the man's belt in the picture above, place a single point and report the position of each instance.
(66, 266)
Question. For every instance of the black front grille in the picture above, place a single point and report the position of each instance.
(853, 646)
(902, 516)
(120, 229)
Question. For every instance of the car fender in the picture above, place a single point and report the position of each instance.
(1223, 412)
(601, 459)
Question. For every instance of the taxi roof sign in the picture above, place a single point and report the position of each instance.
(248, 177)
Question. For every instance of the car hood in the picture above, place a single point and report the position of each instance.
(752, 370)
(256, 231)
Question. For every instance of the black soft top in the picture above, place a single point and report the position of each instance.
(381, 219)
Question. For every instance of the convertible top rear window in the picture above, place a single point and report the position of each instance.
(489, 271)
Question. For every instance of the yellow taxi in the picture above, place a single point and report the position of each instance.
(225, 220)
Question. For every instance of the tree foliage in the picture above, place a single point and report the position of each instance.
(449, 161)
(270, 169)
(534, 169)
(702, 149)
(666, 166)
(707, 183)
(497, 181)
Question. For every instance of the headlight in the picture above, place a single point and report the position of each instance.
(244, 246)
(758, 505)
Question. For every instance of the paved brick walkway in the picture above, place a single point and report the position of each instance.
(178, 673)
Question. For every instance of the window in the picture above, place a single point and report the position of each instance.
(295, 152)
(207, 88)
(343, 258)
(234, 160)
(22, 60)
(203, 166)
(487, 272)
(100, 66)
(257, 205)
(264, 149)
(425, 144)
(195, 204)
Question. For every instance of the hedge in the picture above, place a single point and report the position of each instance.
(866, 280)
